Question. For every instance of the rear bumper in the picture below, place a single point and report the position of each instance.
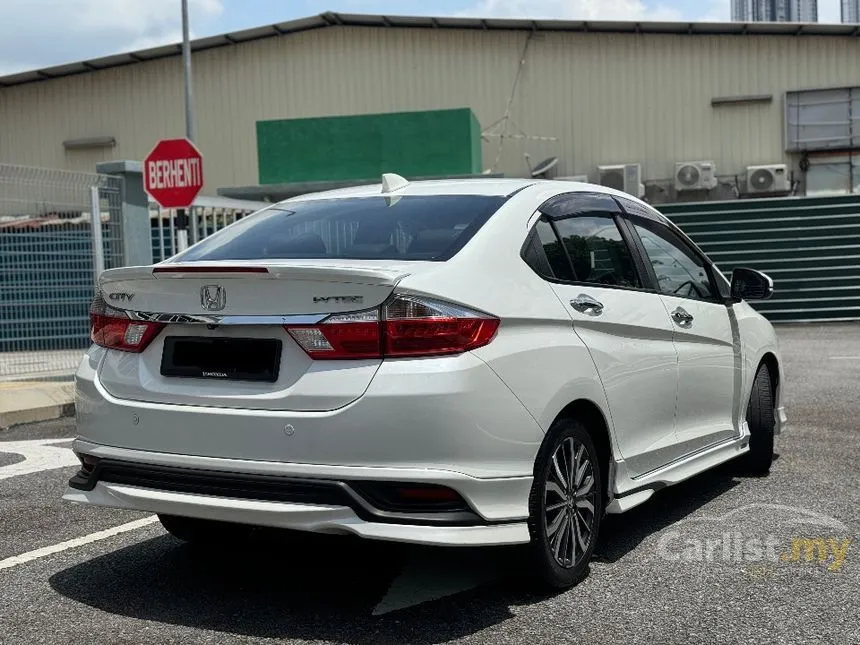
(304, 517)
(496, 516)
(446, 414)
(442, 421)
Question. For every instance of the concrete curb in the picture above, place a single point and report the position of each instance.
(32, 401)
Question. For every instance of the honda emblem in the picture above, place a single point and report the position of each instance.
(213, 297)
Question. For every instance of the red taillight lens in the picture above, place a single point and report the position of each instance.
(437, 335)
(112, 328)
(403, 326)
(353, 335)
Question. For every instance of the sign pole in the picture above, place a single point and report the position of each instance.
(186, 62)
(182, 217)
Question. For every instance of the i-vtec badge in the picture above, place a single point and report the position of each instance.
(356, 300)
(121, 297)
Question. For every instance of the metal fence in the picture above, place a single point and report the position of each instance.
(50, 254)
(207, 216)
(809, 246)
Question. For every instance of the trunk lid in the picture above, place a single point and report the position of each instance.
(221, 305)
(251, 289)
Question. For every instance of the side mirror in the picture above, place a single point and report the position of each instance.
(748, 284)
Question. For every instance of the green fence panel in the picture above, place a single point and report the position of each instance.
(810, 246)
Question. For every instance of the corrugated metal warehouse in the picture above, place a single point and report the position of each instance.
(589, 93)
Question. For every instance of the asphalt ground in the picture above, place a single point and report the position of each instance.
(716, 559)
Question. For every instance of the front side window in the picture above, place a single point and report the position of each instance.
(597, 251)
(431, 227)
(679, 271)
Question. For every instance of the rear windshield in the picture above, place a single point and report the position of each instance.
(414, 227)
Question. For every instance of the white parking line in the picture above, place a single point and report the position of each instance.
(15, 560)
(39, 455)
(845, 358)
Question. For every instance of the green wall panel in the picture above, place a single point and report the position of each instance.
(413, 144)
(809, 246)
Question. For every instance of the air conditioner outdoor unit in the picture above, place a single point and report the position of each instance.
(625, 177)
(695, 175)
(583, 179)
(769, 179)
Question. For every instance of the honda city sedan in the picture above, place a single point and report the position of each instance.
(456, 362)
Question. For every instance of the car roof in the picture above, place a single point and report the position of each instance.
(474, 186)
(489, 186)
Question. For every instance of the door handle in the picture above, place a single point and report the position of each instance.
(682, 317)
(587, 305)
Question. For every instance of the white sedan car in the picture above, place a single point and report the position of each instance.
(470, 362)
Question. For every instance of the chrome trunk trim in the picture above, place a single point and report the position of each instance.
(213, 319)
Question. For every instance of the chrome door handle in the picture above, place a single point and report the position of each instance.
(587, 305)
(682, 317)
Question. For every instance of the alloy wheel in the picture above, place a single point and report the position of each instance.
(569, 502)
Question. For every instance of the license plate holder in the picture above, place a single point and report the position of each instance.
(225, 359)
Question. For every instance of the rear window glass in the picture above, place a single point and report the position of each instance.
(432, 227)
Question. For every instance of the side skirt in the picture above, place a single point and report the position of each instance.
(629, 492)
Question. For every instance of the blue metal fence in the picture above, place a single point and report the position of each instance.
(48, 264)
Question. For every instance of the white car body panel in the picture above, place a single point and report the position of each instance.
(632, 349)
(470, 423)
(673, 400)
(707, 371)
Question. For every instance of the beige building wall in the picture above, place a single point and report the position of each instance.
(607, 98)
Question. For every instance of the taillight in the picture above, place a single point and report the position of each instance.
(112, 328)
(403, 326)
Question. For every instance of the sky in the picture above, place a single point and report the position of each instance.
(41, 33)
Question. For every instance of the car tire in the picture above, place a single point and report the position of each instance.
(209, 533)
(761, 418)
(565, 505)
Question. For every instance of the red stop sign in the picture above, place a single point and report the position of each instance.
(173, 173)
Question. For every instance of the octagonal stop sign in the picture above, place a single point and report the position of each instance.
(173, 173)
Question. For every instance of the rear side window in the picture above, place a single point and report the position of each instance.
(432, 227)
(597, 251)
(545, 255)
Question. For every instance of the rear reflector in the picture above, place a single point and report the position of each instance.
(112, 328)
(410, 497)
(403, 326)
(427, 494)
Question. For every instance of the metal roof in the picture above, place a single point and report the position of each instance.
(333, 19)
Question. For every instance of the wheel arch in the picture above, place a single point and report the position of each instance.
(770, 360)
(589, 414)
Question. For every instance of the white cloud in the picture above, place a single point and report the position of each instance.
(703, 10)
(575, 9)
(718, 11)
(829, 11)
(156, 40)
(38, 33)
